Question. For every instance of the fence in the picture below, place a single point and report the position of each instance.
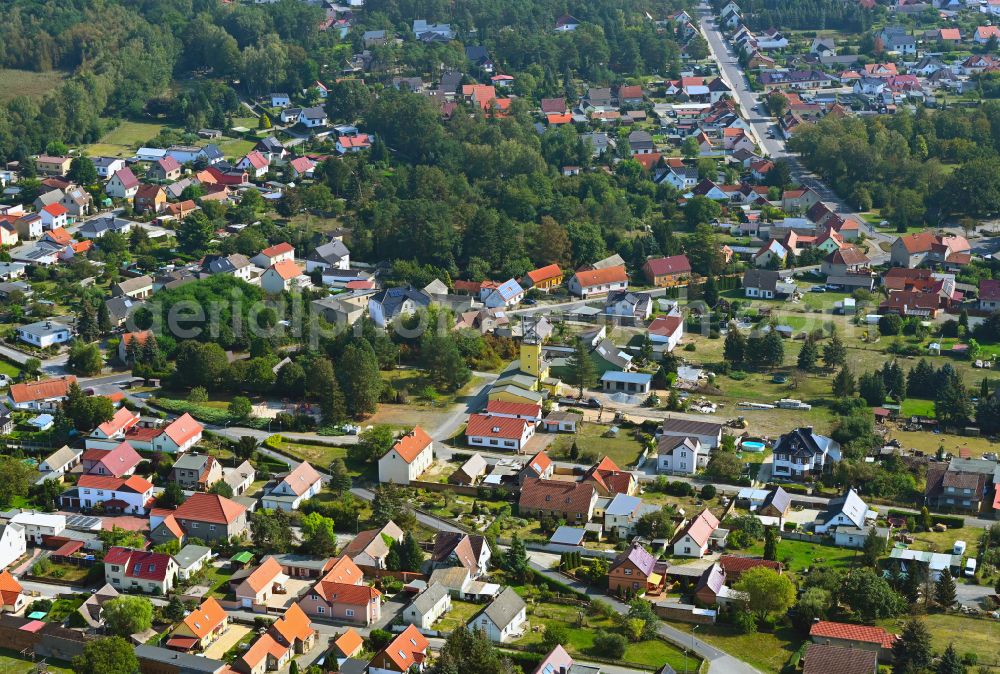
(464, 490)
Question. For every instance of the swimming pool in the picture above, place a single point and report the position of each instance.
(752, 446)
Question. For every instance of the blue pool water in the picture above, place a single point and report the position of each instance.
(750, 446)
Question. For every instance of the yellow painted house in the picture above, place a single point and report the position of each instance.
(545, 278)
(200, 628)
(515, 394)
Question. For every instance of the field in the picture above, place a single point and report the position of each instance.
(581, 629)
(624, 450)
(797, 556)
(28, 83)
(969, 635)
(124, 139)
(12, 662)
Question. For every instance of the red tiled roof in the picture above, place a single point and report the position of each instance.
(210, 508)
(675, 264)
(55, 210)
(404, 649)
(9, 588)
(412, 444)
(482, 425)
(204, 619)
(122, 420)
(41, 390)
(139, 563)
(300, 478)
(182, 429)
(701, 527)
(539, 462)
(864, 633)
(989, 289)
(127, 178)
(133, 483)
(294, 625)
(665, 325)
(506, 407)
(349, 643)
(278, 249)
(347, 593)
(545, 273)
(264, 574)
(256, 160)
(571, 497)
(735, 565)
(287, 269)
(596, 277)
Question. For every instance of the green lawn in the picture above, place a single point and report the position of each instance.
(624, 449)
(767, 651)
(9, 369)
(236, 148)
(27, 83)
(460, 614)
(124, 139)
(319, 456)
(800, 555)
(916, 407)
(12, 662)
(969, 635)
(62, 608)
(582, 627)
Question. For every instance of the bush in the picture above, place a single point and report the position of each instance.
(689, 346)
(708, 492)
(610, 645)
(949, 521)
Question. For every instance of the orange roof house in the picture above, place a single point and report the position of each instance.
(204, 624)
(11, 597)
(349, 643)
(405, 651)
(609, 479)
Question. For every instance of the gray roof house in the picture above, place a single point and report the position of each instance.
(91, 609)
(387, 305)
(503, 619)
(331, 254)
(428, 606)
(95, 228)
(847, 510)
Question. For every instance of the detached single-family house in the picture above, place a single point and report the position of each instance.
(262, 583)
(848, 510)
(407, 459)
(130, 495)
(200, 628)
(196, 472)
(112, 432)
(573, 502)
(13, 543)
(428, 606)
(284, 276)
(301, 483)
(633, 573)
(370, 548)
(44, 395)
(502, 620)
(854, 637)
(406, 653)
(544, 278)
(459, 549)
(695, 539)
(708, 433)
(118, 461)
(12, 599)
(803, 454)
(667, 330)
(209, 517)
(331, 255)
(588, 283)
(666, 272)
(392, 303)
(279, 252)
(130, 570)
(343, 596)
(137, 288)
(680, 454)
(123, 184)
(509, 434)
(44, 334)
(61, 461)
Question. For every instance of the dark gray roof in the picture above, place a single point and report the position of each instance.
(103, 224)
(778, 498)
(765, 279)
(392, 299)
(186, 664)
(504, 608)
(430, 597)
(330, 253)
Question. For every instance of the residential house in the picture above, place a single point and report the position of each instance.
(255, 164)
(118, 461)
(696, 538)
(771, 254)
(61, 461)
(28, 226)
(342, 595)
(140, 571)
(570, 501)
(844, 261)
(370, 548)
(544, 278)
(12, 599)
(961, 485)
(428, 606)
(200, 628)
(391, 304)
(711, 588)
(562, 421)
(91, 611)
(667, 330)
(209, 517)
(132, 341)
(77, 202)
(680, 455)
(633, 572)
(802, 454)
(588, 283)
(470, 472)
(540, 466)
(191, 559)
(137, 288)
(13, 544)
(261, 584)
(149, 199)
(736, 565)
(628, 305)
(112, 432)
(301, 483)
(850, 636)
(196, 472)
(53, 216)
(621, 514)
(107, 166)
(848, 510)
(331, 255)
(776, 504)
(285, 276)
(288, 636)
(279, 252)
(406, 653)
(761, 283)
(529, 411)
(989, 295)
(44, 395)
(240, 478)
(984, 34)
(130, 495)
(122, 185)
(97, 227)
(708, 433)
(459, 549)
(506, 433)
(39, 526)
(177, 437)
(53, 165)
(822, 659)
(897, 39)
(926, 247)
(666, 272)
(609, 479)
(407, 459)
(504, 618)
(44, 334)
(166, 169)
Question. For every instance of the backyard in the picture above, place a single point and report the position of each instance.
(623, 448)
(460, 614)
(12, 662)
(767, 651)
(582, 626)
(968, 634)
(798, 556)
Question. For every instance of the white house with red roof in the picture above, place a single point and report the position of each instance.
(301, 483)
(47, 394)
(53, 216)
(130, 495)
(496, 432)
(302, 167)
(406, 653)
(177, 437)
(112, 432)
(284, 276)
(667, 329)
(351, 144)
(117, 461)
(123, 184)
(255, 164)
(587, 283)
(272, 255)
(695, 539)
(407, 459)
(989, 295)
(130, 570)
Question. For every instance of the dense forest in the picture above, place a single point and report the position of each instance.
(804, 14)
(932, 165)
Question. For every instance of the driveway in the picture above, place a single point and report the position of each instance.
(228, 639)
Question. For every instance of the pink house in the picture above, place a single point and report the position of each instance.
(116, 462)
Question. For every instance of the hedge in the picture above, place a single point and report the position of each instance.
(950, 521)
(557, 586)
